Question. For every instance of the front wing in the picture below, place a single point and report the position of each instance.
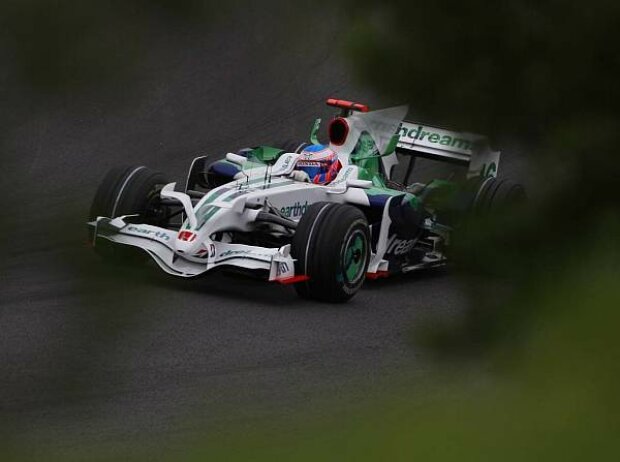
(158, 243)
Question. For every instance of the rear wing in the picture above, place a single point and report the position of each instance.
(468, 149)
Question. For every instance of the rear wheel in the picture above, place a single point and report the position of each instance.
(332, 246)
(130, 190)
(494, 194)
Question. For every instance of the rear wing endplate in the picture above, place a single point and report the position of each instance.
(439, 144)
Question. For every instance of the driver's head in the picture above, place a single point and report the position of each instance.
(319, 162)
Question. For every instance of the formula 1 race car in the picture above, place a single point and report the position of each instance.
(250, 212)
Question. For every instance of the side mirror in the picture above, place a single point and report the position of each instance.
(285, 164)
(314, 139)
(236, 159)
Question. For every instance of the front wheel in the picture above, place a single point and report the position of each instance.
(332, 247)
(130, 190)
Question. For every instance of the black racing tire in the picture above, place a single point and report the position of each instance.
(126, 191)
(332, 247)
(497, 194)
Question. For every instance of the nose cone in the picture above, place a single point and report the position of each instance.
(186, 242)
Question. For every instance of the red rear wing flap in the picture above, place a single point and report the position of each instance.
(347, 105)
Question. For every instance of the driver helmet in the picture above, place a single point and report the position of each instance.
(320, 163)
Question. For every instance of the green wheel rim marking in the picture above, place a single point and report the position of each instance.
(354, 257)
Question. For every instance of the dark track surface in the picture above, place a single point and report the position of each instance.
(102, 354)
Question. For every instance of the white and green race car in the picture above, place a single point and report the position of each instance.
(249, 213)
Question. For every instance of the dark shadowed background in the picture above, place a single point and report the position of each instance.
(514, 356)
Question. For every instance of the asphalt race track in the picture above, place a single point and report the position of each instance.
(96, 354)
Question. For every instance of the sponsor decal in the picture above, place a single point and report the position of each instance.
(309, 163)
(187, 236)
(242, 253)
(287, 162)
(282, 268)
(428, 136)
(148, 232)
(399, 246)
(228, 253)
(207, 252)
(295, 210)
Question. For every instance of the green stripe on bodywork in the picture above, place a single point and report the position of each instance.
(238, 186)
(215, 195)
(207, 210)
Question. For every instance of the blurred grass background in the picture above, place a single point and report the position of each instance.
(542, 280)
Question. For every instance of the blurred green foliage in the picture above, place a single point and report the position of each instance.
(542, 75)
(556, 400)
(515, 67)
(543, 278)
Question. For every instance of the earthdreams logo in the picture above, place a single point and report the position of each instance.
(428, 136)
(149, 232)
(295, 210)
